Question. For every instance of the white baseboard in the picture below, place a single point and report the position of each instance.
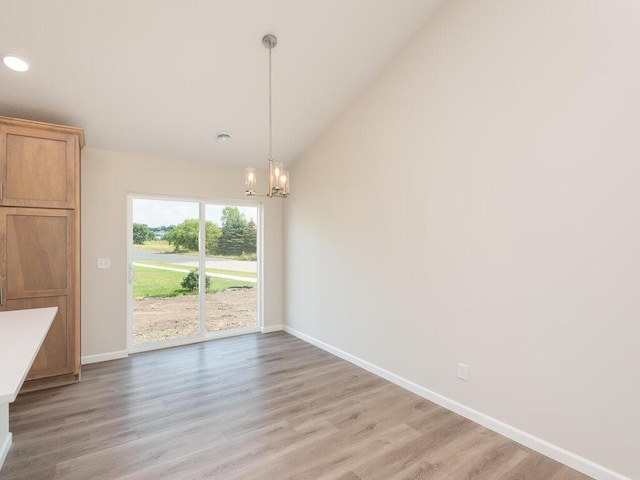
(550, 450)
(272, 328)
(104, 357)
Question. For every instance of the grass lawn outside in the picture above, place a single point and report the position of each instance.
(157, 246)
(152, 282)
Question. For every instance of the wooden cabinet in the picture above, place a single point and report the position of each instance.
(38, 166)
(39, 238)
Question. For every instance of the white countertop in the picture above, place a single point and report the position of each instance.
(21, 335)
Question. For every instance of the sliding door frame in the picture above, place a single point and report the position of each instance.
(202, 335)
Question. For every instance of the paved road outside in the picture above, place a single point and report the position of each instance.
(192, 261)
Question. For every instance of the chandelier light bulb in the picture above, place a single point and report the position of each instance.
(250, 181)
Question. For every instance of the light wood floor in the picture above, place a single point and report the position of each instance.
(253, 407)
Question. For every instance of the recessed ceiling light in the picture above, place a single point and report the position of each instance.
(15, 63)
(224, 137)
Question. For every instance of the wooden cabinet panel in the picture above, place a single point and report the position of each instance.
(38, 247)
(56, 354)
(38, 166)
(38, 261)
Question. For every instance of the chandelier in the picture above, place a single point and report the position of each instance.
(278, 177)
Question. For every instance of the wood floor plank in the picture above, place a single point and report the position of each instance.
(534, 467)
(430, 462)
(266, 407)
(402, 459)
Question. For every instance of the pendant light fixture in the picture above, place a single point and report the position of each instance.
(278, 177)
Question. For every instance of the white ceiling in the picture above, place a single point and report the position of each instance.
(163, 77)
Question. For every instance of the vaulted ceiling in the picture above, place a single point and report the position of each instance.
(163, 77)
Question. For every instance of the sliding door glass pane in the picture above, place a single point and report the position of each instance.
(165, 265)
(231, 260)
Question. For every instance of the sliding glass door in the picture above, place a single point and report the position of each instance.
(171, 243)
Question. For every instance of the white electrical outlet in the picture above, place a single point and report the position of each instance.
(463, 372)
(104, 263)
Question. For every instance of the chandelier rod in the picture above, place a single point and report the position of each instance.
(270, 111)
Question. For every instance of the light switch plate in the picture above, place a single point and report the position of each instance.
(104, 263)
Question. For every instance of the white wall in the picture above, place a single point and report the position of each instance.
(480, 203)
(107, 178)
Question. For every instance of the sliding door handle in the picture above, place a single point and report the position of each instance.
(132, 273)
(1, 297)
(1, 191)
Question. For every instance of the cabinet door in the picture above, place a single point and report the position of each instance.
(38, 168)
(38, 261)
(55, 356)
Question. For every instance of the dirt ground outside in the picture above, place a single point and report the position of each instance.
(158, 319)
